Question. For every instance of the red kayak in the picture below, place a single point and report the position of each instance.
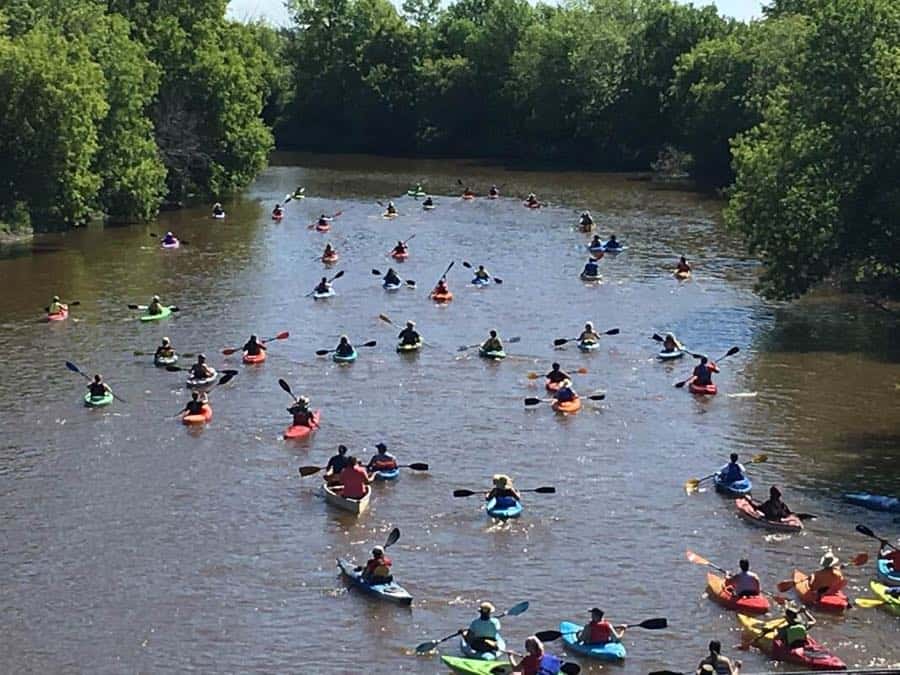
(400, 255)
(329, 259)
(703, 390)
(254, 359)
(61, 315)
(753, 604)
(296, 431)
(202, 418)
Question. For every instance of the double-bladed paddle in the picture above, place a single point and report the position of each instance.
(75, 369)
(313, 470)
(693, 484)
(515, 610)
(561, 341)
(647, 624)
(547, 490)
(534, 376)
(731, 352)
(323, 352)
(408, 282)
(535, 401)
(331, 217)
(510, 341)
(468, 265)
(404, 242)
(284, 335)
(171, 308)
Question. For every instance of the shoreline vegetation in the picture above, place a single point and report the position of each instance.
(119, 107)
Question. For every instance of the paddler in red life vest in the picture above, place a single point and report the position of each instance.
(302, 415)
(382, 460)
(378, 568)
(703, 373)
(441, 288)
(598, 631)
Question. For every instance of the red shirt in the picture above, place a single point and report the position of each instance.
(355, 482)
(601, 633)
(530, 664)
(375, 563)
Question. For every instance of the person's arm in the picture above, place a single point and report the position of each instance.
(516, 494)
(617, 634)
(810, 619)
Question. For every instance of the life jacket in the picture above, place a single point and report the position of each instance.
(549, 665)
(600, 633)
(591, 269)
(794, 633)
(385, 464)
(97, 390)
(378, 568)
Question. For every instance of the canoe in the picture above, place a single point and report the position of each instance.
(329, 259)
(591, 277)
(588, 346)
(299, 431)
(409, 349)
(703, 390)
(503, 512)
(391, 592)
(442, 297)
(669, 356)
(611, 651)
(813, 655)
(751, 514)
(467, 650)
(333, 497)
(321, 296)
(738, 488)
(387, 474)
(716, 590)
(202, 383)
(886, 575)
(391, 287)
(97, 401)
(476, 666)
(252, 359)
(61, 315)
(567, 407)
(832, 602)
(344, 359)
(202, 418)
(481, 283)
(166, 311)
(163, 361)
(891, 604)
(493, 356)
(873, 502)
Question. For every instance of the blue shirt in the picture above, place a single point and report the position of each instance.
(732, 472)
(484, 628)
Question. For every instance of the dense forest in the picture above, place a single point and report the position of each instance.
(116, 106)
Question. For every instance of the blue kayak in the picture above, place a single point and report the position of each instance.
(387, 474)
(874, 502)
(886, 575)
(504, 512)
(391, 592)
(611, 651)
(736, 489)
(467, 650)
(344, 359)
(481, 282)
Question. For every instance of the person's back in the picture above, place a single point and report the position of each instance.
(591, 268)
(703, 374)
(155, 307)
(323, 286)
(732, 472)
(597, 633)
(391, 278)
(344, 348)
(774, 509)
(409, 336)
(195, 406)
(253, 347)
(486, 629)
(744, 584)
(355, 482)
(829, 580)
(721, 665)
(98, 389)
(556, 374)
(383, 461)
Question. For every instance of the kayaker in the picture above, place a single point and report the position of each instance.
(703, 372)
(795, 630)
(391, 278)
(683, 267)
(409, 335)
(591, 268)
(391, 210)
(329, 252)
(773, 508)
(217, 209)
(344, 347)
(733, 471)
(537, 661)
(400, 249)
(303, 416)
(532, 200)
(428, 201)
(56, 306)
(482, 274)
(155, 307)
(485, 627)
(169, 239)
(743, 584)
(716, 664)
(599, 631)
(98, 388)
(441, 288)
(468, 192)
(589, 334)
(503, 491)
(323, 220)
(278, 212)
(323, 287)
(494, 191)
(253, 346)
(586, 222)
(378, 568)
(165, 350)
(298, 193)
(382, 460)
(355, 480)
(493, 343)
(612, 244)
(829, 579)
(336, 464)
(195, 405)
(671, 344)
(892, 555)
(556, 374)
(201, 371)
(565, 393)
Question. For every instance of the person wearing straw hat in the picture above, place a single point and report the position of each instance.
(485, 627)
(503, 491)
(829, 579)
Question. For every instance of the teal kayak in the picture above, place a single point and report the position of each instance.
(344, 359)
(468, 651)
(506, 511)
(166, 311)
(611, 651)
(476, 666)
(97, 401)
(494, 356)
(391, 592)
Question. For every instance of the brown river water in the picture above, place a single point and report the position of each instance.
(133, 544)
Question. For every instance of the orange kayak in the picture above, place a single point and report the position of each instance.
(296, 431)
(442, 297)
(572, 406)
(753, 604)
(827, 602)
(254, 359)
(202, 418)
(328, 259)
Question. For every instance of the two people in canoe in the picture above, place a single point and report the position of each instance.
(200, 370)
(716, 664)
(56, 307)
(703, 372)
(409, 335)
(773, 508)
(733, 471)
(98, 388)
(302, 415)
(253, 347)
(382, 460)
(335, 465)
(155, 307)
(355, 479)
(503, 491)
(586, 222)
(745, 583)
(344, 347)
(598, 631)
(493, 343)
(378, 568)
(165, 350)
(391, 278)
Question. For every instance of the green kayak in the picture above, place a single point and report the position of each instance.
(476, 666)
(166, 311)
(494, 356)
(97, 402)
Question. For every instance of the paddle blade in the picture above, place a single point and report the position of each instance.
(570, 668)
(225, 379)
(463, 493)
(548, 635)
(696, 559)
(426, 647)
(666, 672)
(71, 366)
(691, 485)
(559, 342)
(385, 318)
(173, 369)
(759, 459)
(653, 624)
(731, 352)
(679, 385)
(393, 537)
(467, 265)
(370, 343)
(410, 283)
(376, 272)
(515, 610)
(860, 560)
(530, 376)
(657, 337)
(283, 335)
(532, 401)
(498, 281)
(597, 397)
(309, 470)
(545, 490)
(868, 603)
(862, 529)
(284, 385)
(322, 352)
(612, 331)
(229, 351)
(418, 466)
(338, 275)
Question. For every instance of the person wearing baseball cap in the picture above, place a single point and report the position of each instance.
(382, 460)
(484, 628)
(599, 631)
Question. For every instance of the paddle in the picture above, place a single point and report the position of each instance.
(408, 282)
(857, 561)
(334, 278)
(535, 401)
(323, 352)
(331, 217)
(468, 265)
(730, 352)
(511, 341)
(186, 355)
(648, 624)
(515, 610)
(74, 303)
(561, 341)
(180, 241)
(693, 484)
(172, 308)
(541, 490)
(533, 375)
(446, 272)
(700, 560)
(404, 242)
(75, 369)
(284, 335)
(387, 319)
(862, 529)
(313, 470)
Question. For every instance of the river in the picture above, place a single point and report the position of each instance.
(134, 544)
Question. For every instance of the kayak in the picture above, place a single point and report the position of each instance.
(536, 205)
(891, 604)
(254, 359)
(493, 356)
(175, 244)
(219, 216)
(738, 488)
(387, 474)
(513, 510)
(681, 276)
(442, 297)
(669, 356)
(570, 407)
(476, 666)
(887, 575)
(467, 650)
(552, 387)
(344, 359)
(321, 296)
(813, 655)
(397, 255)
(408, 349)
(163, 361)
(703, 390)
(391, 287)
(297, 431)
(391, 592)
(323, 228)
(416, 193)
(201, 418)
(716, 590)
(748, 512)
(874, 502)
(591, 277)
(166, 311)
(611, 651)
(588, 346)
(389, 216)
(203, 382)
(97, 401)
(830, 602)
(481, 283)
(61, 315)
(329, 259)
(277, 216)
(334, 497)
(428, 207)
